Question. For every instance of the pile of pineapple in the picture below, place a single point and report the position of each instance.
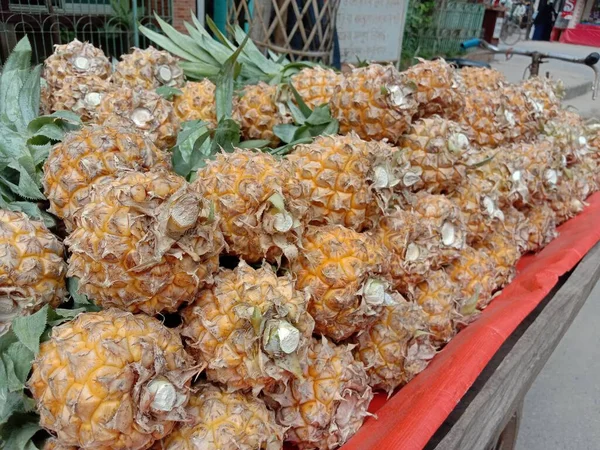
(261, 296)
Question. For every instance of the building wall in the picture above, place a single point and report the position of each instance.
(181, 12)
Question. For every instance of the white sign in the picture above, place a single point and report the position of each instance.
(498, 28)
(371, 29)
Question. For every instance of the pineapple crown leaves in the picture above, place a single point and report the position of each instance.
(168, 92)
(25, 138)
(204, 57)
(308, 124)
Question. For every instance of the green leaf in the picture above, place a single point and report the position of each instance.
(226, 136)
(20, 57)
(13, 402)
(320, 116)
(166, 43)
(79, 300)
(29, 98)
(32, 210)
(29, 329)
(168, 92)
(286, 132)
(21, 358)
(19, 431)
(297, 114)
(224, 89)
(256, 143)
(306, 111)
(331, 129)
(11, 83)
(192, 148)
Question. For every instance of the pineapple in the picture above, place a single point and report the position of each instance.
(482, 79)
(439, 90)
(248, 190)
(425, 236)
(342, 270)
(522, 112)
(324, 407)
(567, 133)
(250, 329)
(54, 444)
(337, 179)
(505, 250)
(439, 297)
(316, 85)
(479, 201)
(377, 102)
(546, 93)
(45, 98)
(82, 95)
(145, 242)
(197, 102)
(32, 269)
(397, 347)
(111, 379)
(77, 59)
(475, 273)
(259, 108)
(221, 420)
(430, 156)
(91, 155)
(148, 69)
(143, 110)
(542, 227)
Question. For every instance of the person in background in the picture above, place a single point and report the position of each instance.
(544, 21)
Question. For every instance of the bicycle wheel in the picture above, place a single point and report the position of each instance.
(511, 33)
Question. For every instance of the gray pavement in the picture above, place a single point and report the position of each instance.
(562, 408)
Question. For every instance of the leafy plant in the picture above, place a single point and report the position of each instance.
(419, 23)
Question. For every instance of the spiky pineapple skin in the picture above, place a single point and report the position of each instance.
(241, 184)
(141, 110)
(95, 381)
(80, 59)
(91, 155)
(328, 404)
(480, 78)
(376, 102)
(80, 95)
(32, 268)
(148, 69)
(336, 178)
(505, 251)
(343, 271)
(145, 242)
(439, 298)
(316, 85)
(430, 156)
(439, 91)
(197, 102)
(260, 108)
(396, 347)
(222, 420)
(232, 328)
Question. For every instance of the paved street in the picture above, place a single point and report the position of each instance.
(576, 78)
(562, 409)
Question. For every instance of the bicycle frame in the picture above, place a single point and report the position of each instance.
(537, 58)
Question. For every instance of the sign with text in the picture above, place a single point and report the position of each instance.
(370, 29)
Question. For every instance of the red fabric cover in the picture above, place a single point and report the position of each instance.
(582, 34)
(408, 419)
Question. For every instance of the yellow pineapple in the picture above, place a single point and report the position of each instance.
(396, 347)
(481, 78)
(142, 110)
(342, 270)
(82, 95)
(439, 297)
(111, 380)
(91, 155)
(324, 407)
(567, 133)
(79, 59)
(505, 250)
(221, 420)
(259, 108)
(546, 93)
(377, 102)
(145, 242)
(430, 156)
(32, 268)
(337, 180)
(475, 273)
(248, 190)
(250, 329)
(197, 102)
(316, 85)
(148, 69)
(483, 118)
(542, 227)
(54, 444)
(438, 90)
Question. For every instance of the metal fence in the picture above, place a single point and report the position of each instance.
(108, 24)
(453, 23)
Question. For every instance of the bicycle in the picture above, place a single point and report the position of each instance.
(511, 31)
(537, 59)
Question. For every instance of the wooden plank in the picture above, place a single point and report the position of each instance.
(479, 420)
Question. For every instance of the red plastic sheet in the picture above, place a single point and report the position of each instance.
(582, 34)
(410, 418)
